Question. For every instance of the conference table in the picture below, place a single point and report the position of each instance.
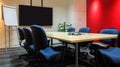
(82, 37)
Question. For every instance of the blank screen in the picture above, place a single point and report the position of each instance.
(30, 15)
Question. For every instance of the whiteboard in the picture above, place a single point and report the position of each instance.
(10, 15)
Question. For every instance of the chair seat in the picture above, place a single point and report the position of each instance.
(48, 52)
(112, 53)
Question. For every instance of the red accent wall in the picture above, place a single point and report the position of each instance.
(103, 14)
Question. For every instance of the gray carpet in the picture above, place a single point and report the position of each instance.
(11, 58)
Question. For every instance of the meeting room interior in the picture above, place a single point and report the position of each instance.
(59, 33)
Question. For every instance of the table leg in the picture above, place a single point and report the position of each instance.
(9, 36)
(51, 42)
(76, 58)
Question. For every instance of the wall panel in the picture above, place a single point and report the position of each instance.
(103, 14)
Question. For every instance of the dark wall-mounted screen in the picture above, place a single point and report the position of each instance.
(30, 15)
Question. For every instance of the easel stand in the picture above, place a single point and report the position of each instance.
(9, 35)
(10, 20)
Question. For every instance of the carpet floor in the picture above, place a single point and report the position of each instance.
(10, 58)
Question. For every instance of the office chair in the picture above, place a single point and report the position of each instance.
(41, 46)
(84, 30)
(28, 41)
(111, 42)
(105, 42)
(26, 36)
(21, 40)
(110, 57)
(69, 51)
(31, 58)
(71, 29)
(84, 45)
(21, 37)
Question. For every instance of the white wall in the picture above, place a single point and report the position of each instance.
(71, 11)
(1, 28)
(77, 13)
(59, 9)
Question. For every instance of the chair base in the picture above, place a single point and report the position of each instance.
(46, 65)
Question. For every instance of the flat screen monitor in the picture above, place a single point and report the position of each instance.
(31, 15)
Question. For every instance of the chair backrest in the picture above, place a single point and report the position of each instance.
(39, 37)
(21, 35)
(28, 37)
(118, 40)
(112, 28)
(71, 29)
(109, 31)
(84, 29)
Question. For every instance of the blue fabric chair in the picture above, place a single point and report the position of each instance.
(26, 35)
(95, 46)
(84, 44)
(41, 46)
(21, 36)
(111, 56)
(29, 46)
(108, 42)
(109, 31)
(84, 30)
(71, 29)
(21, 40)
(28, 41)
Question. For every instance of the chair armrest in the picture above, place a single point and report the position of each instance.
(100, 45)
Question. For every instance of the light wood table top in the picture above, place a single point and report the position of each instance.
(63, 36)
